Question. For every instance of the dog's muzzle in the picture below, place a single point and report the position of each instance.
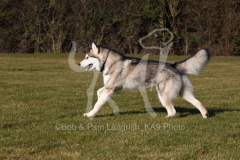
(89, 66)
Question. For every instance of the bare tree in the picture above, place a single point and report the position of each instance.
(49, 26)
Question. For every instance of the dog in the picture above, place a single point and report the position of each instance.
(121, 72)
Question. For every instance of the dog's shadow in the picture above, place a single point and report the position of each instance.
(183, 112)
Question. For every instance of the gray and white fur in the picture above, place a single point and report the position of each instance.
(121, 72)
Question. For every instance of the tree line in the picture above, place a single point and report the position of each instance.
(30, 26)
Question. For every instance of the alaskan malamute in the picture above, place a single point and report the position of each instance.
(121, 72)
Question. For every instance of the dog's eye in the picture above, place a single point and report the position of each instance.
(87, 57)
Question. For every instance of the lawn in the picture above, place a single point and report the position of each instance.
(43, 101)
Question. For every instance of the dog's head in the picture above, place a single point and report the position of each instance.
(92, 59)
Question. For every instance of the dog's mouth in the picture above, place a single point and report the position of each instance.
(89, 67)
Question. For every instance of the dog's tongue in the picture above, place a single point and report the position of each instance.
(89, 66)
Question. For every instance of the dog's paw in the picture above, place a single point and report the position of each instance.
(169, 116)
(89, 115)
(207, 115)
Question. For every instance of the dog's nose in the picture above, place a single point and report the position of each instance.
(79, 64)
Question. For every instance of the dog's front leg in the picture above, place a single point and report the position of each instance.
(104, 96)
(99, 92)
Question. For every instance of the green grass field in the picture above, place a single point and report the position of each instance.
(43, 101)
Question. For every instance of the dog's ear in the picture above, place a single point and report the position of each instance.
(94, 48)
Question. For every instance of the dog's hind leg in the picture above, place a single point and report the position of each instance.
(187, 94)
(166, 102)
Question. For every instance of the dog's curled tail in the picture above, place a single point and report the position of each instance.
(194, 64)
